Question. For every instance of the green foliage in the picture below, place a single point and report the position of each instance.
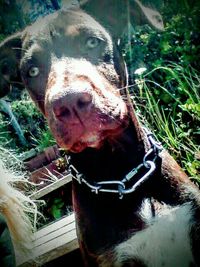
(45, 138)
(30, 119)
(32, 123)
(173, 114)
(168, 95)
(25, 110)
(7, 136)
(58, 203)
(56, 208)
(11, 17)
(179, 42)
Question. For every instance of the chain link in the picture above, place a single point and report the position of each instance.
(119, 187)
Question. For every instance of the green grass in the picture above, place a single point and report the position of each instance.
(32, 123)
(45, 139)
(171, 108)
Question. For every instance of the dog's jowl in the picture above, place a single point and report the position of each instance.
(71, 68)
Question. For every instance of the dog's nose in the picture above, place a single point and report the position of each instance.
(78, 104)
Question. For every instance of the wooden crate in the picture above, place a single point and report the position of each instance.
(54, 240)
(52, 187)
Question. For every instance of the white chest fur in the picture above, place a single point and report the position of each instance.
(164, 243)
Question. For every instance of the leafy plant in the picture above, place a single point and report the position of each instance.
(56, 208)
(58, 203)
(44, 139)
(178, 43)
(32, 123)
(168, 95)
(173, 112)
(27, 113)
(7, 138)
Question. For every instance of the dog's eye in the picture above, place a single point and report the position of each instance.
(33, 72)
(92, 42)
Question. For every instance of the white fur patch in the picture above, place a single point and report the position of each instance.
(164, 243)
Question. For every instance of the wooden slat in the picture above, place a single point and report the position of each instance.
(52, 242)
(54, 226)
(62, 242)
(55, 234)
(51, 187)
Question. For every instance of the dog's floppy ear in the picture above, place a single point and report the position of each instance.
(115, 14)
(10, 53)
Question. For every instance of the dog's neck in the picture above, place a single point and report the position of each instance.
(112, 162)
(114, 159)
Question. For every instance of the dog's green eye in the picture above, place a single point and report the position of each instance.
(33, 71)
(92, 42)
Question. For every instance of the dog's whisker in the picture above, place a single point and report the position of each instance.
(127, 86)
(20, 48)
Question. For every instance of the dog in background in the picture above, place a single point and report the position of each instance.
(134, 205)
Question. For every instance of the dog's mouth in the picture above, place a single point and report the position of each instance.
(92, 132)
(91, 140)
(95, 140)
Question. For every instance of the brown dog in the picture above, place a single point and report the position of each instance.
(134, 206)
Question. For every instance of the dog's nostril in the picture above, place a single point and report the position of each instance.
(62, 112)
(65, 107)
(65, 112)
(84, 101)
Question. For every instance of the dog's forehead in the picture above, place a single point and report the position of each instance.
(67, 23)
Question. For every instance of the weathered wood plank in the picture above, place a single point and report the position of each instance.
(56, 247)
(54, 235)
(51, 187)
(52, 241)
(54, 227)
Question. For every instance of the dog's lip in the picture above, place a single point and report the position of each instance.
(95, 140)
(91, 140)
(80, 146)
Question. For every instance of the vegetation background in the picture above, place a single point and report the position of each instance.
(164, 81)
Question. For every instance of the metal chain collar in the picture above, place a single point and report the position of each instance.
(120, 185)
